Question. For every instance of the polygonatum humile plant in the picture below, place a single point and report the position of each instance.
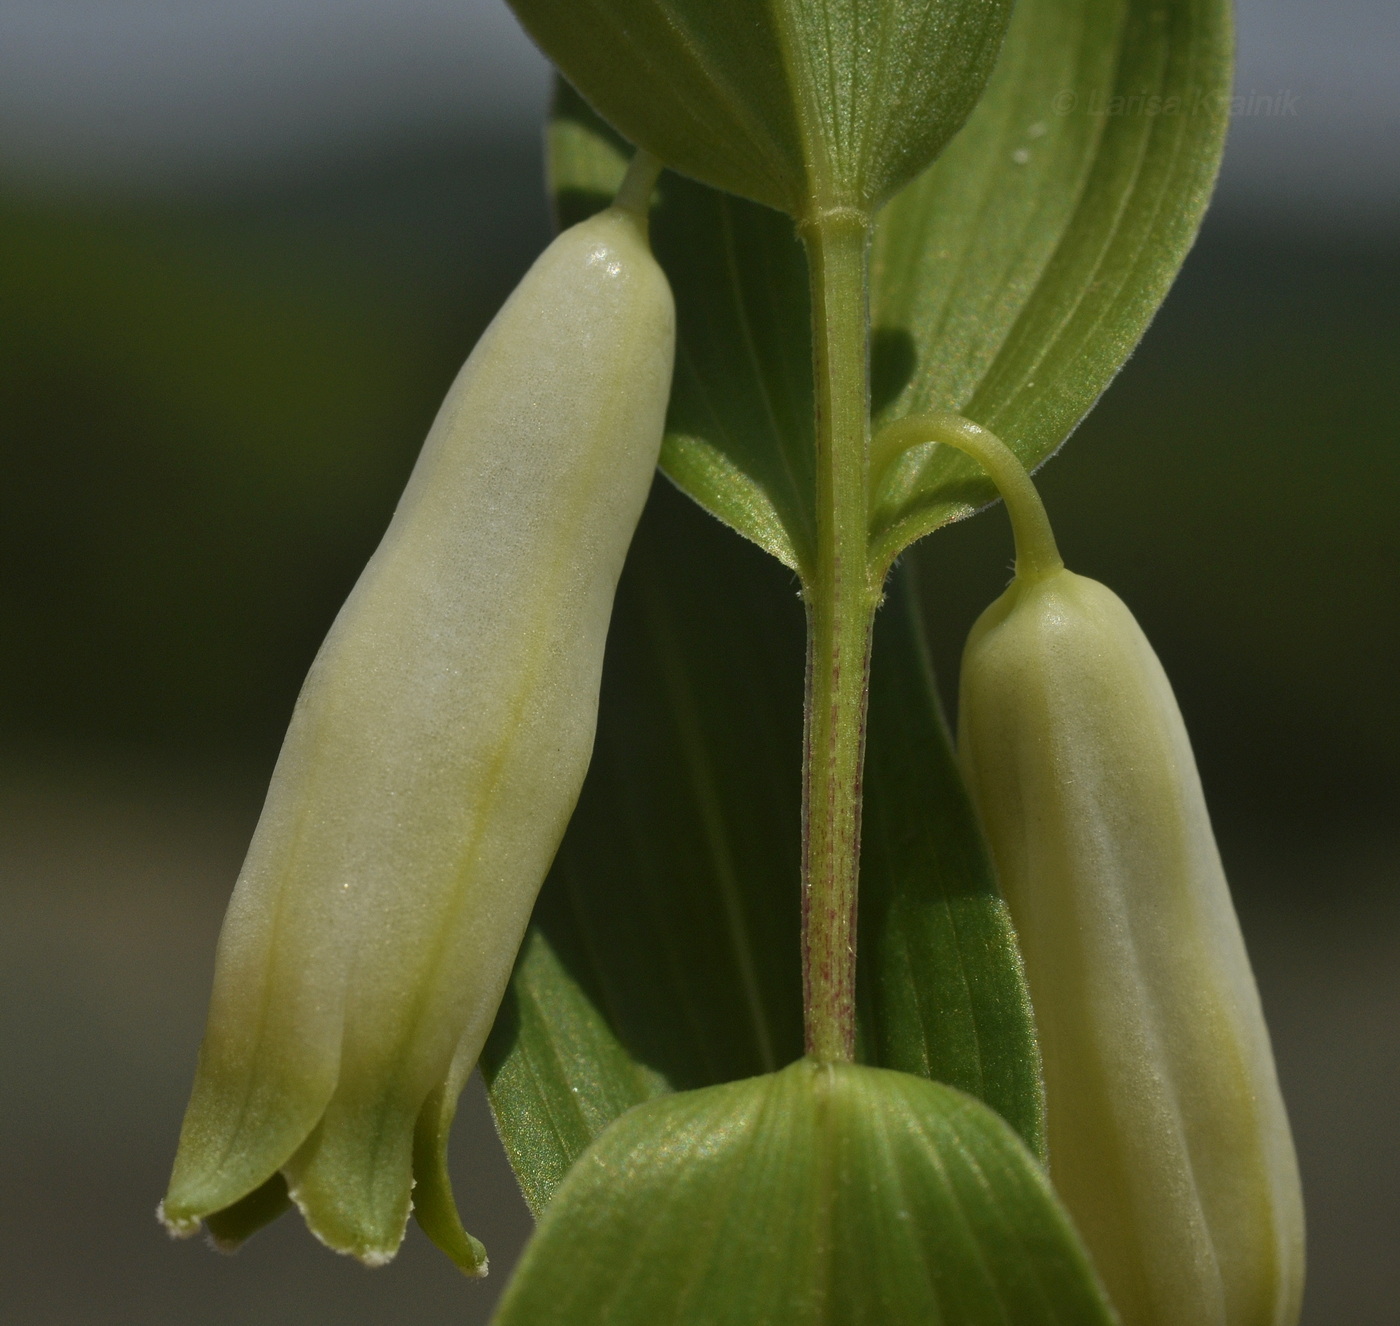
(813, 1020)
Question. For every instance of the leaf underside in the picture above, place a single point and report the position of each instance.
(1009, 281)
(818, 1196)
(940, 988)
(800, 104)
(663, 954)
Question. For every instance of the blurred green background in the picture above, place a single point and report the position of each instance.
(210, 396)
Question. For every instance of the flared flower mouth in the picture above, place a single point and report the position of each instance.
(355, 1199)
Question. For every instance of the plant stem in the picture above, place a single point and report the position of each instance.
(840, 613)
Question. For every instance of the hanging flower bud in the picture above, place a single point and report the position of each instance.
(1168, 1140)
(432, 762)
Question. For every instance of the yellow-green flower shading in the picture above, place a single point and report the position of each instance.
(432, 762)
(1168, 1139)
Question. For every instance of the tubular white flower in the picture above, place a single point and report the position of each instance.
(1168, 1139)
(431, 765)
(1167, 1134)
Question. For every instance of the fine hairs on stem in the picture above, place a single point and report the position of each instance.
(840, 613)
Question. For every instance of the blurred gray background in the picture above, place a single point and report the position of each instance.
(243, 248)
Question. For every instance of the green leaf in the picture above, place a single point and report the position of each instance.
(669, 924)
(1009, 282)
(664, 950)
(799, 104)
(941, 989)
(824, 1194)
(1012, 280)
(557, 1073)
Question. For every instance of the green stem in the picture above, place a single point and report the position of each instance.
(638, 184)
(840, 612)
(1036, 553)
